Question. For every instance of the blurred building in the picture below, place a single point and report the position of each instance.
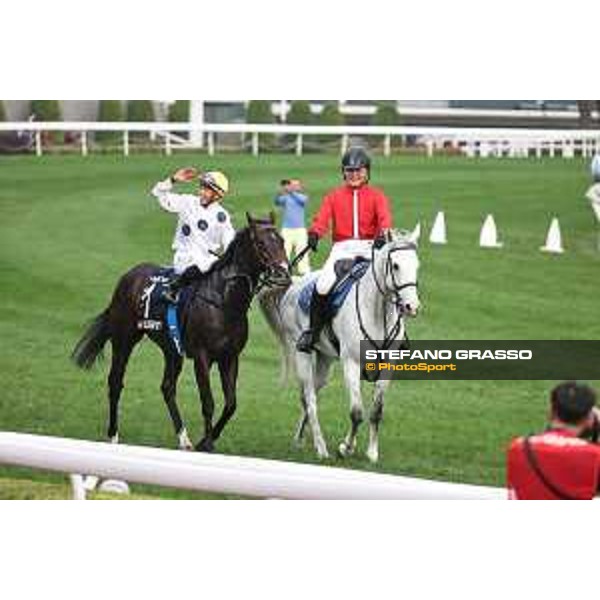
(472, 113)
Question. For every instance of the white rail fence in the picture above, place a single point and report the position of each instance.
(473, 142)
(224, 474)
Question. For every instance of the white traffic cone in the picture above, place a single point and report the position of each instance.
(416, 233)
(553, 239)
(438, 231)
(488, 238)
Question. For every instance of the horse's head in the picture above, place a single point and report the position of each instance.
(269, 251)
(396, 267)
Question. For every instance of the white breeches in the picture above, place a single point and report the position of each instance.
(341, 250)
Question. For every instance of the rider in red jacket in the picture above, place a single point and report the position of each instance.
(561, 463)
(359, 216)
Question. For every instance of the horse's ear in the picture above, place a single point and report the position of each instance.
(415, 234)
(389, 236)
(272, 217)
(249, 218)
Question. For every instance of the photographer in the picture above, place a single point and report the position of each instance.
(563, 462)
(293, 230)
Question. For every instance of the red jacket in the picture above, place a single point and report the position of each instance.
(570, 464)
(338, 209)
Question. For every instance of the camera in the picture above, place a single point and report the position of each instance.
(592, 433)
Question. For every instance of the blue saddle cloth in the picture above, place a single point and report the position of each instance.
(157, 314)
(339, 292)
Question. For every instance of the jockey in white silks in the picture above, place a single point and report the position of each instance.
(359, 216)
(204, 229)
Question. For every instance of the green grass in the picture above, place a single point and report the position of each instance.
(70, 226)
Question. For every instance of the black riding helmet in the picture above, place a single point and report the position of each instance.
(356, 158)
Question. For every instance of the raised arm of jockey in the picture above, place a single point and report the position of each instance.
(169, 201)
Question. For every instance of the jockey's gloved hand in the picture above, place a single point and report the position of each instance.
(379, 241)
(313, 241)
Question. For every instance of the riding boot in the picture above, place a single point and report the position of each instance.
(172, 288)
(318, 317)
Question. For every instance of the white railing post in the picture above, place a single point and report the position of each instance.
(255, 144)
(125, 143)
(211, 143)
(38, 143)
(84, 145)
(344, 143)
(77, 487)
(429, 146)
(299, 145)
(168, 148)
(387, 144)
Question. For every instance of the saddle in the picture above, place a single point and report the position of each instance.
(348, 272)
(156, 313)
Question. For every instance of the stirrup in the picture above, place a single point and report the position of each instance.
(170, 295)
(306, 341)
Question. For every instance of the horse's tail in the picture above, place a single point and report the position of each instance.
(89, 348)
(270, 301)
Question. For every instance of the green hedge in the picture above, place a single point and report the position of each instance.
(386, 114)
(110, 111)
(300, 113)
(259, 111)
(330, 115)
(140, 111)
(179, 111)
(48, 110)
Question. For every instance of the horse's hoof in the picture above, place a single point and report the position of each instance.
(184, 441)
(322, 453)
(373, 455)
(205, 446)
(344, 450)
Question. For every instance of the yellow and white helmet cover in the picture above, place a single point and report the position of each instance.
(215, 180)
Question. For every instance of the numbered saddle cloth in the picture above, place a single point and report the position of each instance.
(157, 313)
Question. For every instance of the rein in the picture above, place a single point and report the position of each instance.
(266, 276)
(390, 335)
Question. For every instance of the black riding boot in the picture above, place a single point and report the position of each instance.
(318, 316)
(172, 288)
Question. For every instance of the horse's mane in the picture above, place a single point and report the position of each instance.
(227, 256)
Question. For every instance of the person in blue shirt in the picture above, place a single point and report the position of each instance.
(292, 201)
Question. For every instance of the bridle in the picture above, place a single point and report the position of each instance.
(390, 336)
(270, 274)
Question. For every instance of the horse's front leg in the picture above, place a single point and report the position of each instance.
(228, 369)
(352, 379)
(202, 371)
(375, 419)
(172, 370)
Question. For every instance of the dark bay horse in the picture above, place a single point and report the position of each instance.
(214, 322)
